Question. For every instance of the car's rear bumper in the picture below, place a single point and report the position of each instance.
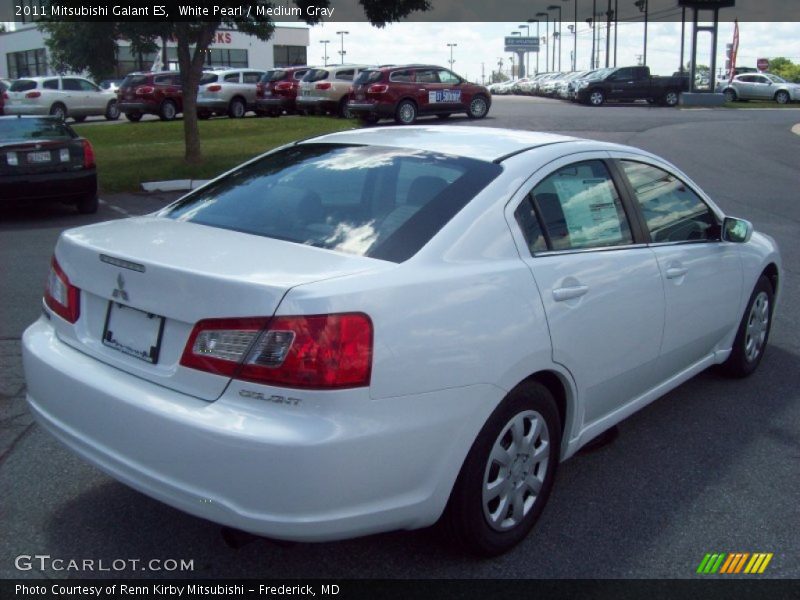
(336, 465)
(66, 185)
(268, 104)
(316, 104)
(378, 109)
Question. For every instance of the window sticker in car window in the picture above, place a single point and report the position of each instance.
(438, 96)
(589, 210)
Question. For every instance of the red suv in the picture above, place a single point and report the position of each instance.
(151, 94)
(404, 92)
(277, 90)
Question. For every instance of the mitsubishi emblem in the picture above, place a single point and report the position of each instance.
(120, 292)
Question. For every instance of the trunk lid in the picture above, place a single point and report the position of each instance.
(148, 280)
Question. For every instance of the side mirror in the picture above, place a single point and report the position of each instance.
(737, 231)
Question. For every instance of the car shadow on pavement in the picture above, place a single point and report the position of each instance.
(692, 464)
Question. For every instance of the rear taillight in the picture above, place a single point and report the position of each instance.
(325, 85)
(213, 88)
(88, 155)
(312, 352)
(60, 295)
(283, 86)
(5, 95)
(144, 90)
(33, 94)
(377, 88)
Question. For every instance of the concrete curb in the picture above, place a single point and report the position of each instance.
(175, 185)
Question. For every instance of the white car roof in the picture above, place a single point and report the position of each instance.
(482, 143)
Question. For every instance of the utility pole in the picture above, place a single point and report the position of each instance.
(546, 26)
(538, 40)
(608, 35)
(451, 46)
(642, 5)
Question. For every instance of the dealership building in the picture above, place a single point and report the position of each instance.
(23, 52)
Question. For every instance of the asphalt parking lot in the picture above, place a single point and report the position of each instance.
(714, 466)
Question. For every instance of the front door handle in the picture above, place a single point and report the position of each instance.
(675, 272)
(568, 293)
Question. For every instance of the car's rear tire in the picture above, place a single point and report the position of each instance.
(753, 333)
(133, 117)
(59, 110)
(507, 476)
(168, 111)
(671, 98)
(730, 95)
(596, 98)
(478, 108)
(344, 110)
(237, 108)
(112, 111)
(782, 97)
(87, 205)
(406, 113)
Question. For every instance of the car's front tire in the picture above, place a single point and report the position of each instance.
(478, 108)
(507, 476)
(753, 333)
(730, 95)
(112, 111)
(671, 98)
(782, 97)
(406, 113)
(597, 98)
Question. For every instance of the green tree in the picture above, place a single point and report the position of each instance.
(783, 67)
(69, 50)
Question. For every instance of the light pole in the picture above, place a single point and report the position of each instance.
(642, 6)
(575, 38)
(520, 64)
(451, 46)
(325, 58)
(590, 23)
(572, 61)
(556, 36)
(546, 26)
(527, 29)
(342, 34)
(538, 39)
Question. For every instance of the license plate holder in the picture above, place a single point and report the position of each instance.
(133, 332)
(39, 157)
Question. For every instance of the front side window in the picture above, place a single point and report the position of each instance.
(672, 211)
(449, 78)
(372, 201)
(72, 85)
(87, 86)
(578, 207)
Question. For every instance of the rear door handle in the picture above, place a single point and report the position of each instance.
(568, 293)
(675, 272)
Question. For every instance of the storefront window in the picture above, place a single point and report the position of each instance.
(289, 56)
(28, 63)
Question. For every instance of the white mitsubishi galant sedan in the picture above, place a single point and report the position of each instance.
(372, 330)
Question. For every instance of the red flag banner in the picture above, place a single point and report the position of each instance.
(734, 50)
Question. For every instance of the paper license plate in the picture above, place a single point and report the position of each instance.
(38, 157)
(133, 332)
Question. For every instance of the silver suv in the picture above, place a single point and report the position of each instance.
(227, 91)
(63, 97)
(327, 89)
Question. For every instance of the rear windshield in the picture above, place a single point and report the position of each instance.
(276, 75)
(316, 75)
(208, 78)
(368, 77)
(134, 80)
(22, 85)
(371, 201)
(34, 129)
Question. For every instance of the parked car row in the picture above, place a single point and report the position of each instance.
(598, 86)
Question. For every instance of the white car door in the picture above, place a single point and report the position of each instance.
(702, 275)
(601, 288)
(93, 97)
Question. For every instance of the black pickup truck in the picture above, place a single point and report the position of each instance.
(628, 84)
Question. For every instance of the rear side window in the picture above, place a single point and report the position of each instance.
(22, 85)
(232, 78)
(400, 76)
(300, 74)
(578, 207)
(251, 77)
(207, 78)
(372, 201)
(366, 77)
(346, 75)
(316, 75)
(672, 211)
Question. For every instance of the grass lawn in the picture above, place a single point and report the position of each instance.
(129, 153)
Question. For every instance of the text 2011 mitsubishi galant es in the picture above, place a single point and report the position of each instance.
(377, 329)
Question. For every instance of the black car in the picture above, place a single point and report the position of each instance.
(42, 158)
